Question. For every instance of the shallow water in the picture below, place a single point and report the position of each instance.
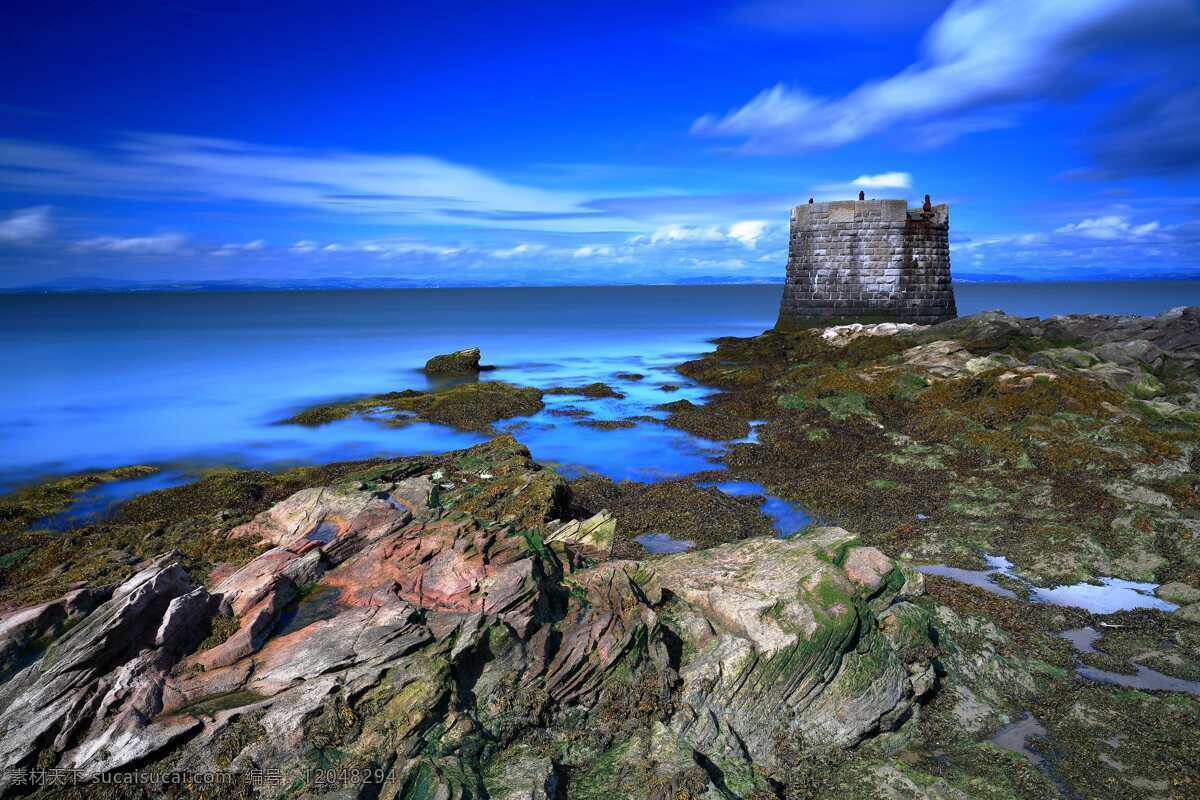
(324, 602)
(101, 499)
(1084, 641)
(979, 578)
(1015, 736)
(1110, 596)
(662, 543)
(1145, 678)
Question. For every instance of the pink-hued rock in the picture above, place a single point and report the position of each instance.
(867, 567)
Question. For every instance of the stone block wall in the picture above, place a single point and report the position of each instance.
(867, 260)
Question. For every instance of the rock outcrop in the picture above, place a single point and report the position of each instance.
(441, 647)
(808, 639)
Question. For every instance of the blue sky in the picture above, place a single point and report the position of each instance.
(588, 143)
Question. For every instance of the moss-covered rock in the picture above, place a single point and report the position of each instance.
(467, 406)
(460, 362)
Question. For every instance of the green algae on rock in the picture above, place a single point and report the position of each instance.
(987, 433)
(467, 406)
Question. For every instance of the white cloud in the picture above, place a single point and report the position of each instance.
(748, 232)
(1111, 226)
(591, 251)
(159, 244)
(884, 180)
(980, 55)
(380, 248)
(891, 182)
(686, 233)
(26, 224)
(518, 250)
(244, 247)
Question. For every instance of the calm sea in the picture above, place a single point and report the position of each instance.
(193, 380)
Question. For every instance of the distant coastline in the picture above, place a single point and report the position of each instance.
(99, 285)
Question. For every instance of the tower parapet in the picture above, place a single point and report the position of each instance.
(868, 261)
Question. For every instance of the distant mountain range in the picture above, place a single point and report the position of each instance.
(100, 284)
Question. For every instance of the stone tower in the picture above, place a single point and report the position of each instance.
(868, 261)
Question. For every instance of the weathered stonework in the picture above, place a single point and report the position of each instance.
(868, 260)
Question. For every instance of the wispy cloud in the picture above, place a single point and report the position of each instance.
(747, 233)
(387, 188)
(978, 60)
(158, 244)
(26, 225)
(516, 251)
(591, 251)
(244, 247)
(1111, 226)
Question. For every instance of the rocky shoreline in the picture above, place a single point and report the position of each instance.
(474, 625)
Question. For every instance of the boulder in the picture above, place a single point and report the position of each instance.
(1178, 592)
(1132, 353)
(1063, 358)
(460, 362)
(945, 358)
(786, 647)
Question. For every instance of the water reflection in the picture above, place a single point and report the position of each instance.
(1084, 641)
(1108, 596)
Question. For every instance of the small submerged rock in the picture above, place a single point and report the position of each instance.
(592, 390)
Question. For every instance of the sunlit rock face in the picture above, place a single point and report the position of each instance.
(427, 625)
